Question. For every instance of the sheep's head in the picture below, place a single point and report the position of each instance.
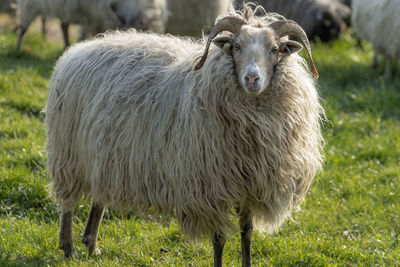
(256, 50)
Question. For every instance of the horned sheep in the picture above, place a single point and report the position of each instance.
(140, 14)
(141, 120)
(97, 14)
(323, 19)
(378, 22)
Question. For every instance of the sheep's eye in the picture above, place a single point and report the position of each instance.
(274, 50)
(237, 46)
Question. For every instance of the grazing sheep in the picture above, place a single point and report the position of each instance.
(140, 120)
(324, 19)
(378, 22)
(192, 17)
(107, 14)
(9, 6)
(142, 15)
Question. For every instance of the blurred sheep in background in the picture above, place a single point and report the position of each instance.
(192, 17)
(98, 14)
(321, 19)
(378, 21)
(9, 7)
(140, 14)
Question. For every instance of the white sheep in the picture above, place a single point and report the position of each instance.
(140, 120)
(139, 14)
(107, 14)
(378, 22)
(192, 17)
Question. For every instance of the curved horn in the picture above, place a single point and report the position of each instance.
(290, 27)
(231, 24)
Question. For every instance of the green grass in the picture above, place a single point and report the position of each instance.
(351, 216)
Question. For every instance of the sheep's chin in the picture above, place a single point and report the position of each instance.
(251, 92)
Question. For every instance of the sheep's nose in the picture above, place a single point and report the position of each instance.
(251, 78)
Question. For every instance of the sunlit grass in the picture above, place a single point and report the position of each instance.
(351, 216)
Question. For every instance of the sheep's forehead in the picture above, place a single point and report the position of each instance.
(257, 36)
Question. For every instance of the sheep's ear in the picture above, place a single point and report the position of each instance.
(224, 42)
(289, 47)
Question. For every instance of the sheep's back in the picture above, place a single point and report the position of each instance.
(98, 92)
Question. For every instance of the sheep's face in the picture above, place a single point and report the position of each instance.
(256, 52)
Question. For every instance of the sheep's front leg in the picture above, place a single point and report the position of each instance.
(388, 69)
(375, 60)
(89, 237)
(246, 232)
(64, 28)
(66, 243)
(21, 32)
(218, 244)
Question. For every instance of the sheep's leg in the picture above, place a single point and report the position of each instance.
(66, 243)
(64, 27)
(246, 232)
(21, 32)
(388, 69)
(25, 19)
(89, 237)
(44, 26)
(218, 244)
(375, 60)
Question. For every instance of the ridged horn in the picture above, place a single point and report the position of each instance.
(231, 24)
(290, 27)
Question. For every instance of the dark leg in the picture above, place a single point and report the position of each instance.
(246, 231)
(375, 60)
(218, 244)
(388, 69)
(64, 27)
(44, 26)
(89, 237)
(66, 243)
(21, 32)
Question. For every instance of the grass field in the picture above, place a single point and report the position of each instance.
(351, 216)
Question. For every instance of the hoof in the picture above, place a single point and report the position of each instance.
(69, 253)
(93, 249)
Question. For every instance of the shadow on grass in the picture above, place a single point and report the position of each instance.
(14, 60)
(35, 53)
(354, 87)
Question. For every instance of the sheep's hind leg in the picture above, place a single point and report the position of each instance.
(66, 243)
(375, 60)
(89, 237)
(64, 28)
(388, 69)
(218, 244)
(21, 32)
(246, 232)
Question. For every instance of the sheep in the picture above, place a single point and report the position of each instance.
(150, 123)
(319, 18)
(192, 17)
(9, 6)
(378, 22)
(100, 13)
(142, 15)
